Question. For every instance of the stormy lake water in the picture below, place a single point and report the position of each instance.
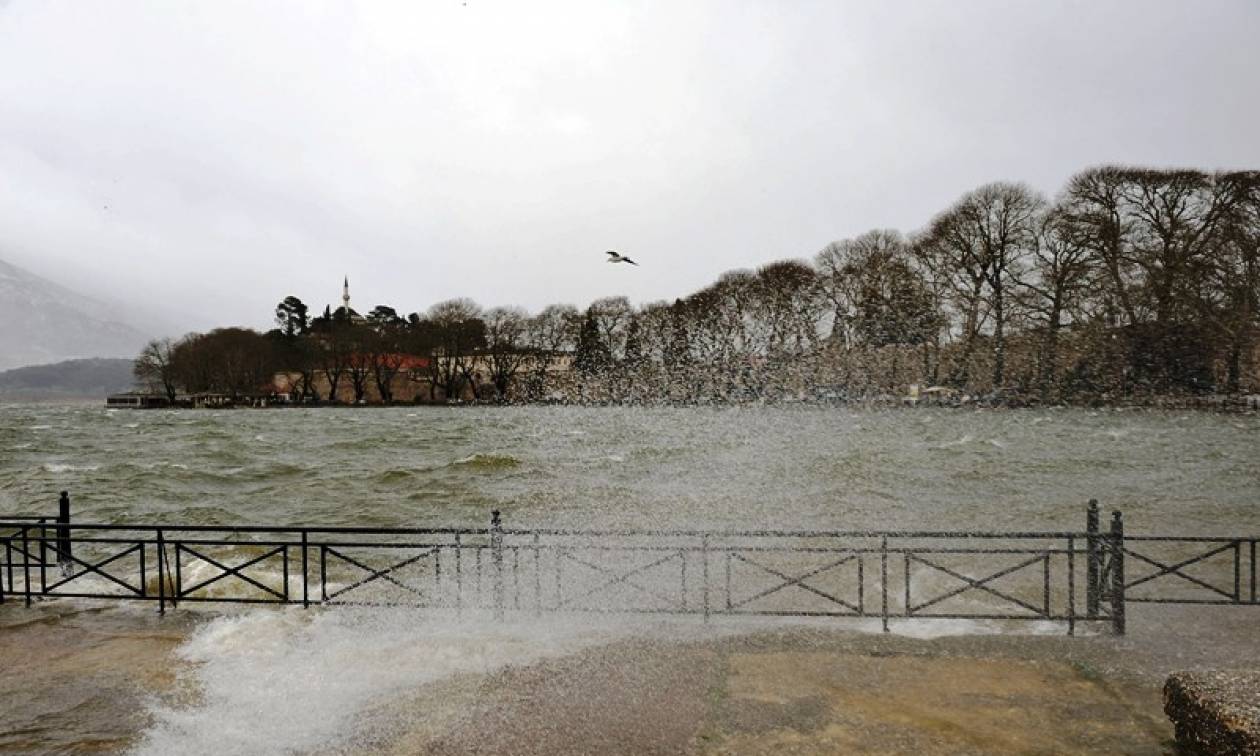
(309, 675)
(739, 467)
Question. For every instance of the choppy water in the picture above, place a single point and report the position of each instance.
(311, 674)
(745, 467)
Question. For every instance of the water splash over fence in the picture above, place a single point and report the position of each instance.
(893, 576)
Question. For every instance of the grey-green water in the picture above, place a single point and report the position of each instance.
(742, 467)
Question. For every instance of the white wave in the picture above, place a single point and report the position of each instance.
(942, 628)
(968, 438)
(294, 681)
(60, 467)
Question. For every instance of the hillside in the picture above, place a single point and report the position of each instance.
(94, 378)
(45, 322)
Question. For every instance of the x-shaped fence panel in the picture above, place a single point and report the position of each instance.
(600, 575)
(376, 576)
(977, 583)
(793, 585)
(263, 593)
(1191, 570)
(82, 568)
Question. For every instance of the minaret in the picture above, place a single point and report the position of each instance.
(345, 296)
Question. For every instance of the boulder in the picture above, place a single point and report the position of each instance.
(1215, 712)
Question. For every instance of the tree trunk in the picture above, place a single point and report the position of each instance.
(1234, 369)
(999, 339)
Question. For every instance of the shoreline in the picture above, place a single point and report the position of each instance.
(1238, 405)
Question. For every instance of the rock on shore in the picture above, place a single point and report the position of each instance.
(1215, 712)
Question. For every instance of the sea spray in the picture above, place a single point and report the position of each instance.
(291, 681)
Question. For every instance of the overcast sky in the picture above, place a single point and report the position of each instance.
(212, 158)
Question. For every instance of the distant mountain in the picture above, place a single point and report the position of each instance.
(43, 322)
(94, 378)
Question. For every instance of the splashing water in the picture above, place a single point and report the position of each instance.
(308, 676)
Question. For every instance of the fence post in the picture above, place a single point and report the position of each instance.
(883, 579)
(496, 551)
(26, 563)
(161, 560)
(1092, 559)
(1117, 573)
(63, 535)
(306, 599)
(704, 555)
(43, 555)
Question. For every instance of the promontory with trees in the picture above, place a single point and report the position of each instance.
(1132, 284)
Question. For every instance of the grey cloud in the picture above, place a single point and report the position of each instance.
(247, 151)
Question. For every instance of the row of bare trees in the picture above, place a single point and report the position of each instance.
(1130, 281)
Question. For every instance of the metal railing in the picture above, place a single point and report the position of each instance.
(889, 576)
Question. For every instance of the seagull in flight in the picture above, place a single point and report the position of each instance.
(614, 257)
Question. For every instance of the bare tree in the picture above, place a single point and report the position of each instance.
(505, 346)
(612, 317)
(789, 305)
(549, 335)
(333, 346)
(956, 268)
(1063, 270)
(1232, 301)
(986, 238)
(839, 267)
(1178, 215)
(1094, 205)
(460, 333)
(154, 368)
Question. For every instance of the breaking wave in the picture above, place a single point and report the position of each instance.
(61, 467)
(487, 461)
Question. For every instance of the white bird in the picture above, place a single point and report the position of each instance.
(613, 257)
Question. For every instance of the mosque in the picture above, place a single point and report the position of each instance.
(345, 311)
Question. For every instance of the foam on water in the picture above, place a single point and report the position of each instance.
(61, 467)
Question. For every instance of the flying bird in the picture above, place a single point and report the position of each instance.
(613, 257)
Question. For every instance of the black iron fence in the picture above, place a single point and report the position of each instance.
(886, 576)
